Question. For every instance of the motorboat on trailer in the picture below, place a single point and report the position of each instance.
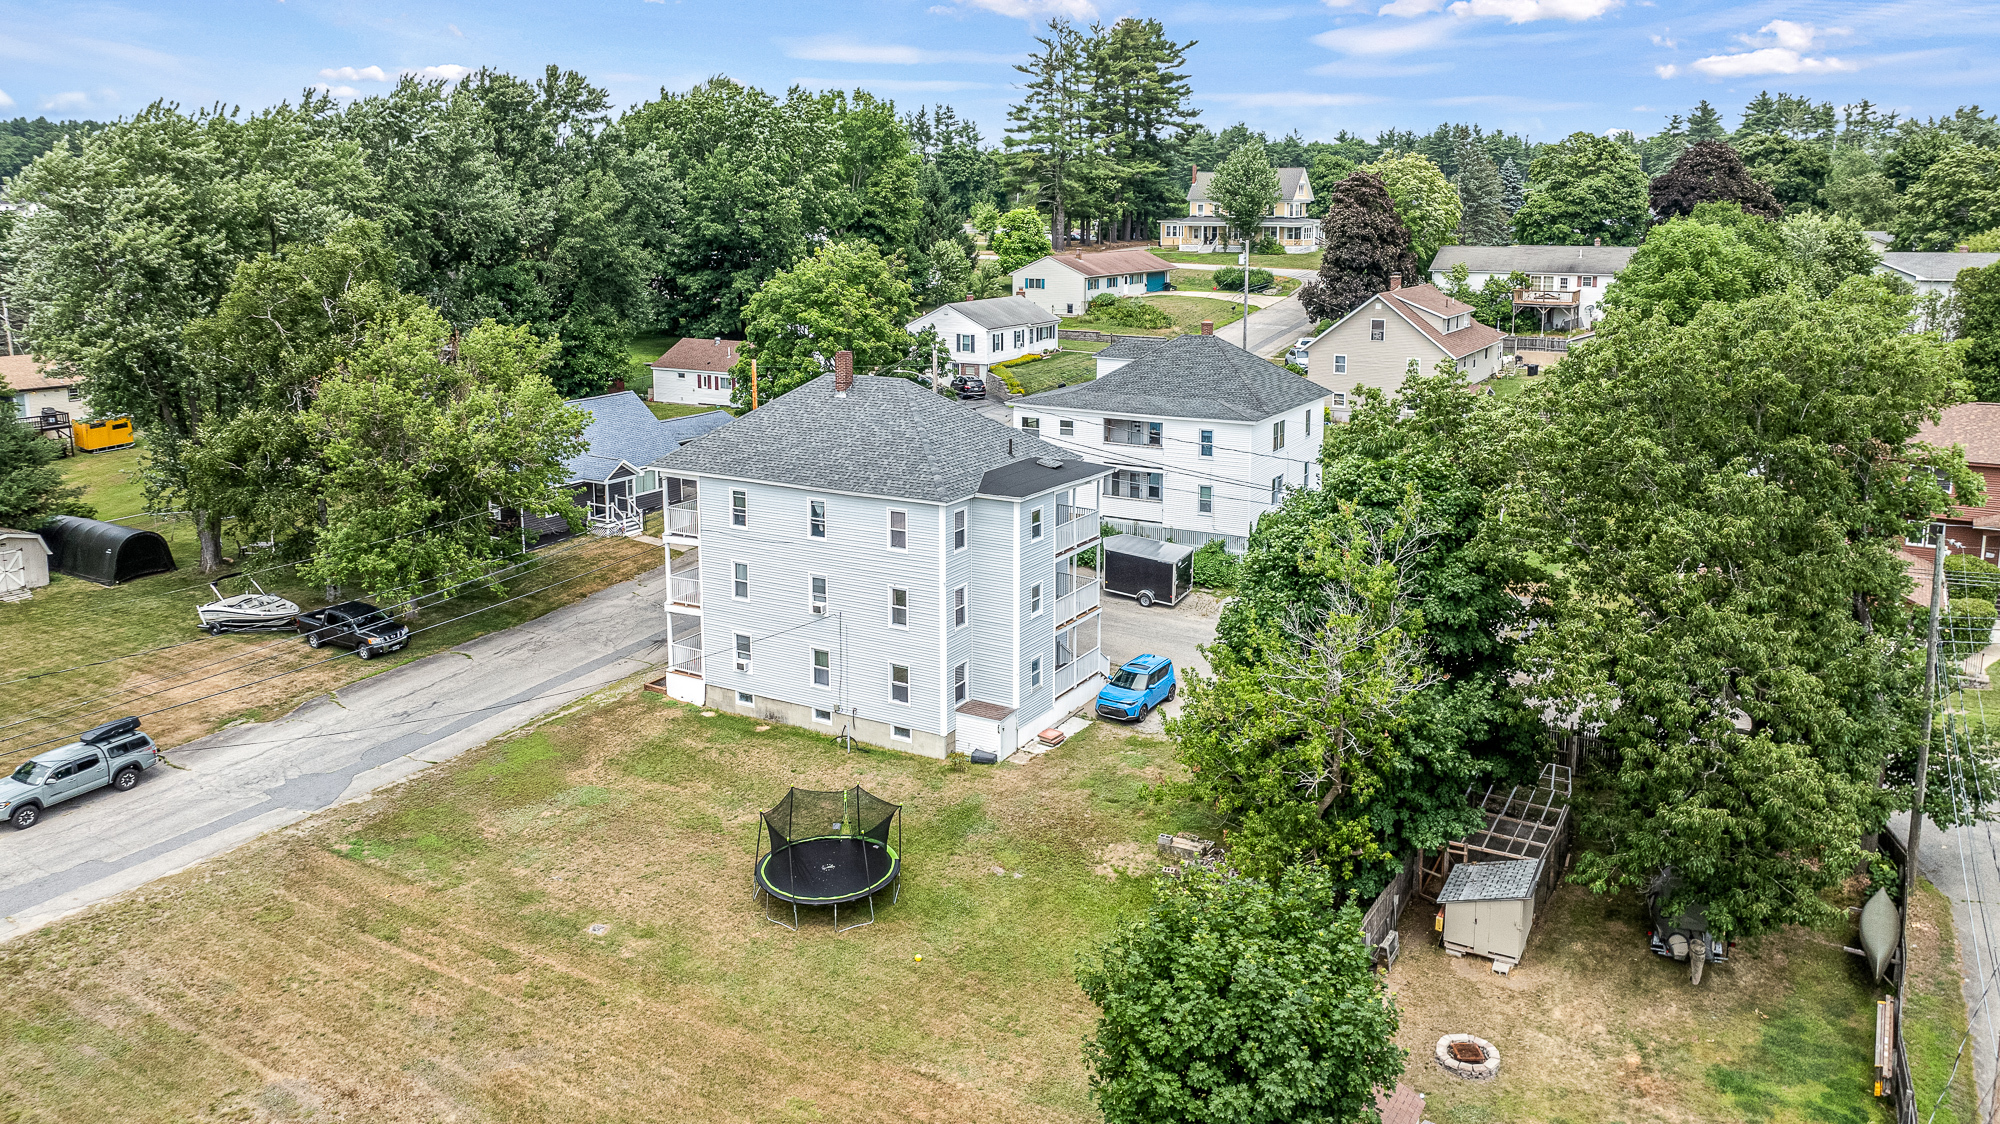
(255, 611)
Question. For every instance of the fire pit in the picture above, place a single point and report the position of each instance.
(1469, 1057)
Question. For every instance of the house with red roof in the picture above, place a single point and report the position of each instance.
(1374, 344)
(695, 372)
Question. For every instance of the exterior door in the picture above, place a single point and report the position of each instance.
(13, 570)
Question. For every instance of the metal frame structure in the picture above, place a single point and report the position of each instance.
(1521, 823)
(851, 799)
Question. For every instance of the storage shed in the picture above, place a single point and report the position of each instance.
(1148, 569)
(105, 553)
(1487, 909)
(24, 563)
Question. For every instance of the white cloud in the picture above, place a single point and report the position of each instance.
(73, 99)
(1393, 40)
(453, 28)
(1528, 11)
(1795, 36)
(829, 48)
(5, 101)
(1769, 60)
(450, 71)
(1667, 71)
(1665, 41)
(1409, 8)
(350, 74)
(338, 91)
(1289, 99)
(1037, 9)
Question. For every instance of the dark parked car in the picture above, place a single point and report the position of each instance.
(969, 386)
(354, 624)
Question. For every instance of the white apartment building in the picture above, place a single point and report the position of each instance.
(1565, 287)
(863, 556)
(1201, 437)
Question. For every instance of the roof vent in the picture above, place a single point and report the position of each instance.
(1048, 462)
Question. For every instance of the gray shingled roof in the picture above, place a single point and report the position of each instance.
(1491, 882)
(1534, 259)
(1130, 347)
(887, 437)
(1003, 312)
(1190, 377)
(1936, 266)
(623, 430)
(1288, 184)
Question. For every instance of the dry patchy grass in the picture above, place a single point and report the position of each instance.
(426, 956)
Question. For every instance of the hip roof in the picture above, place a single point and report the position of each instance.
(1189, 377)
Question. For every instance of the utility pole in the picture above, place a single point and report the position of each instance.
(753, 384)
(1931, 671)
(1243, 259)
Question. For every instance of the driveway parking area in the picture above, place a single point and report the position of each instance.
(1175, 633)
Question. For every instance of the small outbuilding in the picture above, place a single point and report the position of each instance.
(1487, 909)
(24, 564)
(1147, 569)
(105, 553)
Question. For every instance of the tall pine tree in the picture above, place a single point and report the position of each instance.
(1049, 133)
(1483, 215)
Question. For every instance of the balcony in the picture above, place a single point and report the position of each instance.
(684, 581)
(50, 420)
(684, 644)
(1074, 597)
(1547, 298)
(1079, 668)
(684, 521)
(1074, 527)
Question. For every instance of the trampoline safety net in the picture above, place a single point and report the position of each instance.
(853, 813)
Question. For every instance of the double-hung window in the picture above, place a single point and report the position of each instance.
(822, 668)
(1309, 423)
(818, 594)
(899, 608)
(818, 529)
(739, 509)
(958, 607)
(999, 341)
(899, 530)
(1340, 364)
(958, 529)
(1034, 600)
(1031, 424)
(899, 683)
(1206, 499)
(966, 345)
(1376, 329)
(958, 685)
(1035, 523)
(1207, 442)
(1020, 337)
(1066, 427)
(1034, 673)
(743, 649)
(1278, 488)
(1277, 435)
(742, 575)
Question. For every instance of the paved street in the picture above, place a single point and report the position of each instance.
(247, 780)
(1964, 864)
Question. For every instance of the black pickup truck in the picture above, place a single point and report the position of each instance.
(354, 624)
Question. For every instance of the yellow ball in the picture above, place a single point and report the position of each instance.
(917, 958)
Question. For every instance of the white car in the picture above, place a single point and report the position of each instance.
(1297, 358)
(1304, 342)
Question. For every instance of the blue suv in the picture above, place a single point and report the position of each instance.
(1136, 688)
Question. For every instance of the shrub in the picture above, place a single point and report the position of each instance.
(1214, 566)
(1129, 312)
(1966, 575)
(1230, 279)
(1966, 627)
(1267, 245)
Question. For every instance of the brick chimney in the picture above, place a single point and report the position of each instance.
(1194, 174)
(1395, 281)
(843, 372)
(1208, 327)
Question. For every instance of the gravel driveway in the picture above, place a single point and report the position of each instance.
(1175, 633)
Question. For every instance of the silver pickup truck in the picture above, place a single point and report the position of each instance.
(112, 754)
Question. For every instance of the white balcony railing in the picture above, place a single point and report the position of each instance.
(1074, 527)
(685, 657)
(1079, 600)
(1077, 670)
(684, 520)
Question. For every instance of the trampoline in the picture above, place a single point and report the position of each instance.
(829, 849)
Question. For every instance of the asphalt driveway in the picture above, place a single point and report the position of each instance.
(1175, 633)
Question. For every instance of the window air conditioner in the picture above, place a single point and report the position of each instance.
(819, 609)
(743, 665)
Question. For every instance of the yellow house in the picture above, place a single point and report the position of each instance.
(1206, 230)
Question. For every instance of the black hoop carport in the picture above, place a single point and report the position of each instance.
(829, 849)
(102, 552)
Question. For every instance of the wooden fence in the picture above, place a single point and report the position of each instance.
(1383, 916)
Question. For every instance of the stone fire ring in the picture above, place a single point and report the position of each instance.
(1470, 1071)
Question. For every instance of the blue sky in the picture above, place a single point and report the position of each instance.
(1543, 67)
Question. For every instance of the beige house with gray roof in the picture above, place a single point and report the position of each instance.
(1206, 230)
(1373, 345)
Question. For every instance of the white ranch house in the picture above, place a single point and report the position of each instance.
(695, 372)
(978, 334)
(1064, 283)
(1203, 437)
(861, 556)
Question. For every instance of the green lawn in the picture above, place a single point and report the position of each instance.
(1203, 281)
(1266, 261)
(665, 410)
(429, 954)
(1187, 311)
(74, 622)
(1064, 366)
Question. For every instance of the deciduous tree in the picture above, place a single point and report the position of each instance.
(1583, 190)
(1425, 201)
(1236, 999)
(1365, 243)
(1958, 196)
(1979, 325)
(1686, 265)
(1794, 170)
(1710, 172)
(845, 297)
(1244, 190)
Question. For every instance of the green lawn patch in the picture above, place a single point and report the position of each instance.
(1188, 312)
(665, 410)
(1063, 367)
(1203, 281)
(1267, 261)
(642, 350)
